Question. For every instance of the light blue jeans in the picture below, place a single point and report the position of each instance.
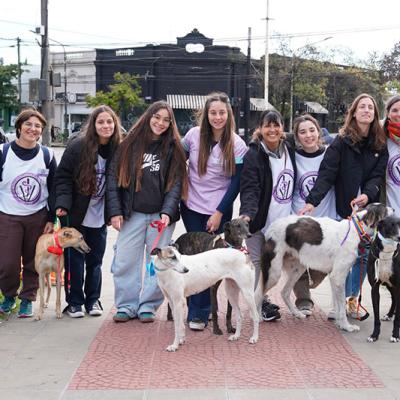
(353, 278)
(134, 242)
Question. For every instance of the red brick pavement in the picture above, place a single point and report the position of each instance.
(290, 354)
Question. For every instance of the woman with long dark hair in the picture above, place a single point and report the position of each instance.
(215, 161)
(145, 183)
(354, 164)
(80, 198)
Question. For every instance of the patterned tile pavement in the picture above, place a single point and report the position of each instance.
(291, 354)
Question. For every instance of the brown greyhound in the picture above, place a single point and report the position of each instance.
(49, 258)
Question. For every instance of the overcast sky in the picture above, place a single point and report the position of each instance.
(360, 26)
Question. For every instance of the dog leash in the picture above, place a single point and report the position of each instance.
(160, 226)
(57, 250)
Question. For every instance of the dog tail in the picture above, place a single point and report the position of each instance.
(267, 255)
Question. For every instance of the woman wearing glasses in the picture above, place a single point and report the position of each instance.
(145, 182)
(26, 174)
(215, 162)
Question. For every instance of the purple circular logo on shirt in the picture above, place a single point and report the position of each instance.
(283, 189)
(26, 189)
(394, 169)
(100, 184)
(306, 183)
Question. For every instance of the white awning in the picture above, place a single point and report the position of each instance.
(186, 101)
(315, 108)
(258, 104)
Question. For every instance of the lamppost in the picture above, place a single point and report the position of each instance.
(292, 65)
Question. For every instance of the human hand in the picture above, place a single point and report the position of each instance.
(360, 201)
(60, 212)
(214, 222)
(307, 209)
(165, 219)
(48, 228)
(245, 217)
(117, 222)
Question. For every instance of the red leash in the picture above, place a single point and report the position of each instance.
(160, 226)
(58, 251)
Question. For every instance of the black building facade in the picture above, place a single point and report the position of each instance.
(182, 73)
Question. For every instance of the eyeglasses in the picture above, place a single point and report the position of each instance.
(31, 125)
(159, 118)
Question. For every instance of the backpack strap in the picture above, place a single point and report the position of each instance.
(46, 156)
(4, 152)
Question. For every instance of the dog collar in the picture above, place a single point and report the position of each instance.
(358, 224)
(56, 249)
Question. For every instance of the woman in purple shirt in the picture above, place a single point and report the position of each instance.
(215, 162)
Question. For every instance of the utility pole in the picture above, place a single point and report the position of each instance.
(44, 70)
(266, 58)
(247, 90)
(19, 69)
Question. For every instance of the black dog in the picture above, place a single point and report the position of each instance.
(191, 243)
(384, 268)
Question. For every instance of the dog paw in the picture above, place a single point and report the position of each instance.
(372, 339)
(233, 338)
(306, 312)
(46, 305)
(38, 317)
(217, 331)
(386, 318)
(59, 315)
(231, 329)
(182, 340)
(351, 328)
(172, 348)
(253, 340)
(394, 340)
(299, 315)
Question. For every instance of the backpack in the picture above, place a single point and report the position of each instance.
(6, 147)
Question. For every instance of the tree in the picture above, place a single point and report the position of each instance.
(123, 97)
(8, 91)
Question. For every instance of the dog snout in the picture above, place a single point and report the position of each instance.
(185, 270)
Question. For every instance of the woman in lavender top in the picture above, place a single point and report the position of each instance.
(215, 161)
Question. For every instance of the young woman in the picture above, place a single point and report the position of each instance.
(26, 174)
(144, 184)
(392, 130)
(80, 198)
(215, 161)
(354, 164)
(266, 187)
(309, 154)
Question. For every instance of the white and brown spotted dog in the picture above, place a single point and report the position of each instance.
(297, 243)
(49, 261)
(383, 268)
(180, 276)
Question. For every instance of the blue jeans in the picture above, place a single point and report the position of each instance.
(199, 305)
(85, 290)
(353, 278)
(134, 242)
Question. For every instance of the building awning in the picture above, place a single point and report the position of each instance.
(258, 104)
(186, 101)
(315, 108)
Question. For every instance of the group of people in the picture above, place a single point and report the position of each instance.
(152, 177)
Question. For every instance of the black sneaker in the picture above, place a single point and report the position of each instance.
(269, 312)
(75, 311)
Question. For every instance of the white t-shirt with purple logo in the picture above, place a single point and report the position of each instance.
(282, 188)
(393, 177)
(307, 173)
(23, 189)
(94, 217)
(207, 191)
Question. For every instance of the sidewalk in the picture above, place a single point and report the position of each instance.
(94, 358)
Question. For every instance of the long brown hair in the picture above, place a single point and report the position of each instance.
(138, 140)
(351, 129)
(86, 179)
(227, 140)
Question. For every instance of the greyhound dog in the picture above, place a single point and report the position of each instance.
(295, 244)
(180, 276)
(49, 258)
(384, 269)
(191, 243)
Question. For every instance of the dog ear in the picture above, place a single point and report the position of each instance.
(67, 234)
(174, 244)
(227, 227)
(155, 252)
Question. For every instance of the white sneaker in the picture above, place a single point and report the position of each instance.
(96, 310)
(197, 325)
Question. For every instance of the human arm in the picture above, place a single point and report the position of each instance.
(113, 192)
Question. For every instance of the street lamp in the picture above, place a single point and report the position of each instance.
(292, 76)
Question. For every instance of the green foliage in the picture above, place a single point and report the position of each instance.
(123, 96)
(8, 91)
